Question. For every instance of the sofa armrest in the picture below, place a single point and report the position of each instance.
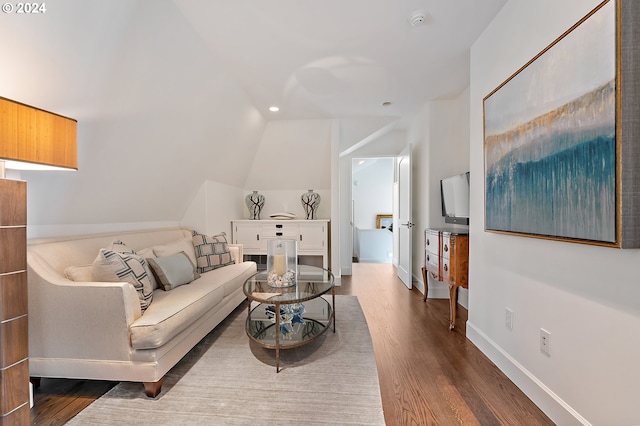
(237, 252)
(78, 320)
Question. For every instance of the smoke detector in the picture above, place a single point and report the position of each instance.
(417, 18)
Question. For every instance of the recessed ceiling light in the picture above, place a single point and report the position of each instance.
(274, 108)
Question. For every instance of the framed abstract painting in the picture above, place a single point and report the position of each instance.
(555, 134)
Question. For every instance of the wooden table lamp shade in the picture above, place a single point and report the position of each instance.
(30, 138)
(31, 135)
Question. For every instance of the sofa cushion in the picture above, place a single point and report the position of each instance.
(175, 247)
(111, 266)
(211, 252)
(173, 271)
(174, 311)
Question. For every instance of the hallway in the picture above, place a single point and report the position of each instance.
(428, 374)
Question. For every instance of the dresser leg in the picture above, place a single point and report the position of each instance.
(453, 299)
(426, 283)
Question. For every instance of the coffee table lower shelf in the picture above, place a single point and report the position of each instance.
(318, 316)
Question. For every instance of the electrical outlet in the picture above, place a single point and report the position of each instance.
(508, 318)
(545, 341)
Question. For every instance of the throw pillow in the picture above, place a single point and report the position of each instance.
(111, 266)
(211, 252)
(175, 248)
(120, 247)
(146, 253)
(174, 271)
(79, 273)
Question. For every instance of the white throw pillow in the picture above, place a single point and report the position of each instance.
(176, 247)
(79, 273)
(211, 252)
(111, 266)
(120, 247)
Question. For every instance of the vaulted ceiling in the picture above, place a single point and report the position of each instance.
(167, 91)
(342, 58)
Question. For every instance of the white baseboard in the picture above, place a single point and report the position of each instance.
(550, 403)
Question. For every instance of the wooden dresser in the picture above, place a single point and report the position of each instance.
(446, 254)
(14, 343)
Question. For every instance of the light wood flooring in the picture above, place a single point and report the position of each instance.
(428, 374)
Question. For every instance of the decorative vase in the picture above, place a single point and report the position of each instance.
(310, 202)
(255, 202)
(282, 262)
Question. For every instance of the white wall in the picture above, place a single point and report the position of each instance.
(439, 137)
(586, 296)
(157, 113)
(293, 156)
(213, 208)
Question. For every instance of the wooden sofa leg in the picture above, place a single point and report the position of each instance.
(152, 389)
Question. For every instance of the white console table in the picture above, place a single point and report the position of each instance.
(312, 237)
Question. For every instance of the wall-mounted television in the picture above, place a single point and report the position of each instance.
(454, 191)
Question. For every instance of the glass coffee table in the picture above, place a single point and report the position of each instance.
(303, 314)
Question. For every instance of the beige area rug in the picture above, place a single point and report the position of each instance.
(226, 380)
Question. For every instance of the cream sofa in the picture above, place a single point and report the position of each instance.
(95, 330)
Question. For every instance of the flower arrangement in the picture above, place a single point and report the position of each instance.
(290, 318)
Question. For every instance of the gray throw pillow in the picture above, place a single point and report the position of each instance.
(173, 271)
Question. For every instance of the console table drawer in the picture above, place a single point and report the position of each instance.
(278, 230)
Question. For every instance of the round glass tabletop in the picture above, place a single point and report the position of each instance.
(312, 281)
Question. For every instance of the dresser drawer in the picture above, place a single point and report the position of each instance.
(445, 273)
(433, 263)
(445, 243)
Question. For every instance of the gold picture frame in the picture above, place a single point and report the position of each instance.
(383, 221)
(537, 149)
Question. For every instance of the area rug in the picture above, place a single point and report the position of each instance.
(226, 380)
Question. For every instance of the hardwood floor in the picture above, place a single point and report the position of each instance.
(428, 374)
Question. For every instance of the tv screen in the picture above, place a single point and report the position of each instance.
(454, 191)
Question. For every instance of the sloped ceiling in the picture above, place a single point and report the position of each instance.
(171, 93)
(343, 58)
(158, 113)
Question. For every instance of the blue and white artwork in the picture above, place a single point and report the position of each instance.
(550, 139)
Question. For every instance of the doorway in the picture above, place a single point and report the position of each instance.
(372, 195)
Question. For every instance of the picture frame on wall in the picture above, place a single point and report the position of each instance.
(555, 133)
(384, 221)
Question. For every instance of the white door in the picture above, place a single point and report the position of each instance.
(405, 224)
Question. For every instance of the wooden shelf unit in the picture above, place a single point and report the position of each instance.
(14, 342)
